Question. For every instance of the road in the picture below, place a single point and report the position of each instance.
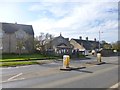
(50, 75)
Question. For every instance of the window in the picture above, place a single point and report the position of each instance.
(64, 50)
(1, 34)
(59, 51)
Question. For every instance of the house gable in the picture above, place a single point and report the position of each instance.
(88, 45)
(61, 41)
(20, 34)
(59, 46)
(77, 45)
(12, 28)
(14, 35)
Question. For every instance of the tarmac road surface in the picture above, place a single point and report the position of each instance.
(50, 75)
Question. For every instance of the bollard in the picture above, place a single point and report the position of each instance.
(99, 57)
(66, 61)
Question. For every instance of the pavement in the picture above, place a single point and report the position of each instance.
(50, 76)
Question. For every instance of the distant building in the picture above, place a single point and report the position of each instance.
(15, 36)
(84, 45)
(59, 46)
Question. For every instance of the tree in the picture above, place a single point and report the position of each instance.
(106, 45)
(21, 38)
(48, 38)
(116, 45)
(42, 39)
(29, 44)
(37, 44)
(20, 45)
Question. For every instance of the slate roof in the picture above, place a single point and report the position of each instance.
(62, 37)
(88, 45)
(11, 28)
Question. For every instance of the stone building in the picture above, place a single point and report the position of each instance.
(84, 45)
(59, 45)
(16, 38)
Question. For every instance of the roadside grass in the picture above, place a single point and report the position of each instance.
(12, 60)
(81, 56)
(24, 57)
(13, 64)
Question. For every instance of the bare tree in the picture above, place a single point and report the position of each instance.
(48, 38)
(20, 35)
(37, 44)
(20, 45)
(42, 39)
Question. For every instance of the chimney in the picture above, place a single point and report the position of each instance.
(80, 38)
(95, 39)
(87, 38)
(60, 34)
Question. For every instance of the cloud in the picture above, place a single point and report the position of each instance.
(59, 1)
(72, 19)
(85, 20)
(12, 12)
(56, 10)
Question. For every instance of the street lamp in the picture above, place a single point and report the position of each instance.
(99, 39)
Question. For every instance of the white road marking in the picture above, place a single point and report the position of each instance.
(13, 80)
(15, 76)
(116, 85)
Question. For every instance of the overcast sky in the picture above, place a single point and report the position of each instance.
(73, 18)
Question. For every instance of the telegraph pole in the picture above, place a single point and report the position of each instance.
(99, 40)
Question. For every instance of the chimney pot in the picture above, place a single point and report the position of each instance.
(80, 38)
(94, 39)
(87, 38)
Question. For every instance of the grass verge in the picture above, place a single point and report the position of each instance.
(13, 64)
(24, 57)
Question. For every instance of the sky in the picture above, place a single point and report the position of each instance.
(71, 18)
